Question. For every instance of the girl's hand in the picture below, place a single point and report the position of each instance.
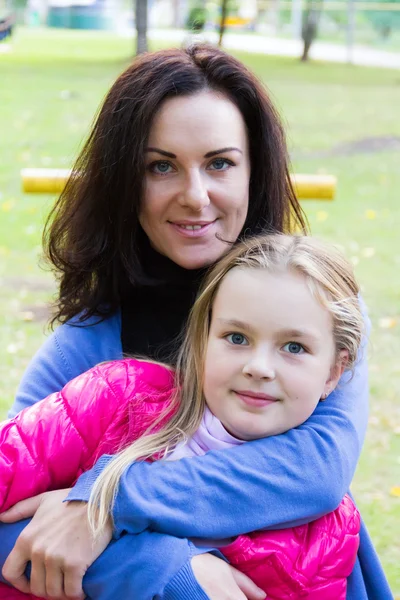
(220, 581)
(57, 542)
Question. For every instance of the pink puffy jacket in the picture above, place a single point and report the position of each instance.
(47, 446)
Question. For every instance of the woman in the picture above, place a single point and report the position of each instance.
(264, 288)
(195, 136)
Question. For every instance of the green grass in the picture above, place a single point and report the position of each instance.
(51, 85)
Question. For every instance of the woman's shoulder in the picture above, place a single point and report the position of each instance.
(73, 348)
(91, 340)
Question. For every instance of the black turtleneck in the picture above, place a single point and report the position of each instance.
(155, 309)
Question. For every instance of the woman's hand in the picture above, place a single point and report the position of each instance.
(58, 543)
(220, 581)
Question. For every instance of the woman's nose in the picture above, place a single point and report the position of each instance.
(259, 366)
(195, 193)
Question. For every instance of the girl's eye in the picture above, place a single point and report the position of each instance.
(294, 348)
(161, 167)
(237, 339)
(221, 164)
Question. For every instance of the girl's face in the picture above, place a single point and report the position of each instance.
(197, 179)
(270, 354)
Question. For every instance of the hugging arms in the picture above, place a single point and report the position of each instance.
(294, 466)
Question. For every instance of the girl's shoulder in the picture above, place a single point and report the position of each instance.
(145, 381)
(141, 391)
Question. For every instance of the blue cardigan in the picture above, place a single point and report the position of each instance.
(287, 479)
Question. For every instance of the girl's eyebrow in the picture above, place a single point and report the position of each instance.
(288, 333)
(235, 323)
(299, 333)
(208, 155)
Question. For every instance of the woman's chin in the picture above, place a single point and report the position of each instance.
(200, 257)
(193, 264)
(195, 259)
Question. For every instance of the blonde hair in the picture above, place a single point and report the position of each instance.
(331, 281)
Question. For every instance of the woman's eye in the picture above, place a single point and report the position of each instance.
(294, 348)
(221, 164)
(237, 339)
(161, 167)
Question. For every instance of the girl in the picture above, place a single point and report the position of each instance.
(276, 323)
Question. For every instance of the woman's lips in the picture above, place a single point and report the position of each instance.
(254, 399)
(193, 229)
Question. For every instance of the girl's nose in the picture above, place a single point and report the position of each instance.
(259, 367)
(195, 194)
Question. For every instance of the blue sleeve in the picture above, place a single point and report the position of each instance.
(149, 566)
(68, 352)
(275, 482)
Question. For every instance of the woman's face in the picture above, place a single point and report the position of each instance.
(196, 190)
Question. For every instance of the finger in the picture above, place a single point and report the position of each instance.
(14, 571)
(22, 510)
(20, 583)
(38, 577)
(54, 582)
(247, 586)
(73, 579)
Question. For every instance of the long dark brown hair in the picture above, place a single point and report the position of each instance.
(92, 235)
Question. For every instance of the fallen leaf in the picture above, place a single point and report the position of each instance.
(387, 322)
(27, 315)
(368, 252)
(322, 215)
(7, 206)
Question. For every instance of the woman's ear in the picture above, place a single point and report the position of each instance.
(335, 373)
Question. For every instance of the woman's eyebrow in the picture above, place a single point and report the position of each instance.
(208, 155)
(221, 150)
(159, 151)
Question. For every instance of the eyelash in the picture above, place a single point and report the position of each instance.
(228, 335)
(151, 167)
(304, 350)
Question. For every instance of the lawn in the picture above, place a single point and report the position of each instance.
(340, 119)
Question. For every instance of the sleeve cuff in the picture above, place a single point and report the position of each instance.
(83, 487)
(184, 585)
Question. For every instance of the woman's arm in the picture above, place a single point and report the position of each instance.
(143, 573)
(275, 482)
(134, 567)
(68, 352)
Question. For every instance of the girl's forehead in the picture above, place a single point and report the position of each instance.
(268, 300)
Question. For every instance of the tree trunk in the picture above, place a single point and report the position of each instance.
(224, 12)
(141, 26)
(310, 26)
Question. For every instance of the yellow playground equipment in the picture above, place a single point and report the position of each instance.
(52, 181)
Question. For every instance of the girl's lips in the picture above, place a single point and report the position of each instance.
(186, 228)
(252, 399)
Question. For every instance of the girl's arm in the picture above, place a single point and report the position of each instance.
(271, 483)
(47, 445)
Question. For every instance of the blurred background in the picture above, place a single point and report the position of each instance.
(333, 69)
